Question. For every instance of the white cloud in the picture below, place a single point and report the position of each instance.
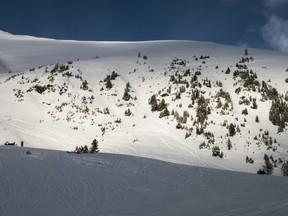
(275, 33)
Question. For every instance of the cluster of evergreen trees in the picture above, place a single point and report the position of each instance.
(161, 107)
(216, 152)
(155, 106)
(278, 114)
(84, 149)
(109, 78)
(203, 110)
(84, 86)
(268, 167)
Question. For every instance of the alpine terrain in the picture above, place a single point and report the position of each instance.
(171, 119)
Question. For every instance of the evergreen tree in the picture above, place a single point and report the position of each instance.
(254, 104)
(152, 100)
(221, 155)
(128, 112)
(153, 103)
(162, 105)
(202, 111)
(114, 75)
(268, 167)
(178, 96)
(84, 85)
(229, 144)
(94, 146)
(257, 119)
(109, 84)
(232, 130)
(245, 111)
(216, 152)
(285, 168)
(126, 95)
(85, 149)
(228, 71)
(278, 114)
(164, 113)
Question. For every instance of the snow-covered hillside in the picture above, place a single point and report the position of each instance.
(176, 101)
(56, 183)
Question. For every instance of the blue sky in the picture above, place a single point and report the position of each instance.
(252, 23)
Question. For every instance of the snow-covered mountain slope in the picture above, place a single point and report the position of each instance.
(56, 183)
(177, 101)
(20, 53)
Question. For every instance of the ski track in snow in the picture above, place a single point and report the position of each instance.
(58, 183)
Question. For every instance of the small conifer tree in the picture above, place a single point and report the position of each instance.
(85, 149)
(285, 168)
(232, 130)
(94, 146)
(109, 84)
(128, 112)
(126, 95)
(268, 167)
(228, 71)
(257, 119)
(229, 144)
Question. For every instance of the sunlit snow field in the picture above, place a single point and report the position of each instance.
(145, 166)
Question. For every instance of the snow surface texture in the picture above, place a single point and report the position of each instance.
(46, 103)
(57, 183)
